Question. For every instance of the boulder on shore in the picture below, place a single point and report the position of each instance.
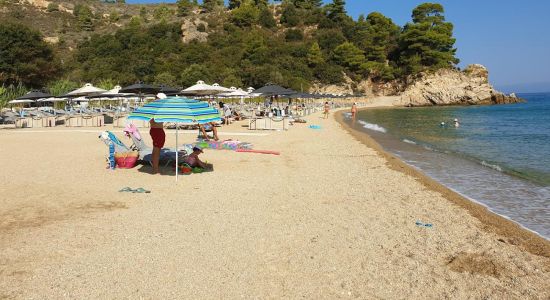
(454, 87)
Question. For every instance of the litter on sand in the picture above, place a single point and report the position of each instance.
(317, 127)
(418, 223)
(138, 190)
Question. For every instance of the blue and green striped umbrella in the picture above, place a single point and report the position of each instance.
(177, 110)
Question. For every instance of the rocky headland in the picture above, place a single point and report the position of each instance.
(453, 87)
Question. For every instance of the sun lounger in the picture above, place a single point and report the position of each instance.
(167, 156)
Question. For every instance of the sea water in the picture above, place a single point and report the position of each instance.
(499, 156)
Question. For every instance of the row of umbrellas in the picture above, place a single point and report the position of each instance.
(89, 91)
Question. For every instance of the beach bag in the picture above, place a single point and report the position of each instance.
(126, 160)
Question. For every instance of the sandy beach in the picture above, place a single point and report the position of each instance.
(332, 217)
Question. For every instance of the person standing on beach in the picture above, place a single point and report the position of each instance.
(159, 137)
(353, 110)
(327, 108)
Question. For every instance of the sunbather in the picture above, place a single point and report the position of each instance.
(208, 127)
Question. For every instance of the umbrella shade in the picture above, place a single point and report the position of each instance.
(86, 90)
(33, 95)
(21, 101)
(52, 99)
(113, 93)
(140, 88)
(202, 88)
(177, 110)
(302, 95)
(235, 93)
(271, 90)
(168, 90)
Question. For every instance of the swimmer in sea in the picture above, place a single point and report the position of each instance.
(442, 124)
(456, 123)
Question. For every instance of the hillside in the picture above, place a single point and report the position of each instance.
(301, 44)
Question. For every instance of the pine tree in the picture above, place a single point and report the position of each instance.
(427, 43)
(210, 5)
(234, 3)
(314, 55)
(185, 7)
(336, 11)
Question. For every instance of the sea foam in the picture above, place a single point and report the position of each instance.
(374, 127)
(494, 167)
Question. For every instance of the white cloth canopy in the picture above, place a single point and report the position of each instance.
(52, 99)
(21, 101)
(204, 89)
(87, 89)
(235, 93)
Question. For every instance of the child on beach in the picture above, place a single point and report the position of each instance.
(327, 108)
(194, 161)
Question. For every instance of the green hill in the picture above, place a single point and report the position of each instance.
(295, 43)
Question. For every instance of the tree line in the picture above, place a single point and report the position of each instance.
(250, 43)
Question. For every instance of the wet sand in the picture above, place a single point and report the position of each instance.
(332, 217)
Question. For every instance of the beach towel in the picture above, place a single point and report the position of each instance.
(132, 129)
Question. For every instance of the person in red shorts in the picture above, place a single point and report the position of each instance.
(158, 136)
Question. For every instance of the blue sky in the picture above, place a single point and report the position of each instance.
(509, 37)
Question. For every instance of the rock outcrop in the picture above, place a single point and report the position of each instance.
(453, 87)
(191, 30)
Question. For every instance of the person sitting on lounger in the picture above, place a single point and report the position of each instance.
(208, 127)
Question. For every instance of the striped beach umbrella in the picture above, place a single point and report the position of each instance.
(177, 110)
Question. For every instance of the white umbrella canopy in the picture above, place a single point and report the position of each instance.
(20, 101)
(220, 88)
(203, 89)
(87, 89)
(53, 99)
(235, 93)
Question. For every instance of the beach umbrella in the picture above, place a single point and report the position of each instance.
(202, 89)
(140, 88)
(86, 90)
(33, 95)
(168, 90)
(274, 90)
(177, 110)
(21, 101)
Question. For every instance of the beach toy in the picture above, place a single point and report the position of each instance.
(186, 169)
(429, 225)
(317, 127)
(197, 170)
(259, 151)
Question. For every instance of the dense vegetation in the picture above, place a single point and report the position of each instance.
(250, 43)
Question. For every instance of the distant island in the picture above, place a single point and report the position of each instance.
(301, 44)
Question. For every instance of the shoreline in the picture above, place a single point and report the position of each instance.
(514, 233)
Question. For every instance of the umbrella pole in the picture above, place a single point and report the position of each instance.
(177, 154)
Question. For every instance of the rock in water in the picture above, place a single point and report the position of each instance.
(453, 87)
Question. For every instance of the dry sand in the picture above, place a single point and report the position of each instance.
(328, 218)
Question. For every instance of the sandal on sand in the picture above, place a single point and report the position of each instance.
(141, 190)
(126, 189)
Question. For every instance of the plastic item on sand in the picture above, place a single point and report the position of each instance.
(138, 190)
(317, 127)
(429, 225)
(259, 151)
(186, 169)
(112, 155)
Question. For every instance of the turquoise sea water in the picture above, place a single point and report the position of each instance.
(498, 156)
